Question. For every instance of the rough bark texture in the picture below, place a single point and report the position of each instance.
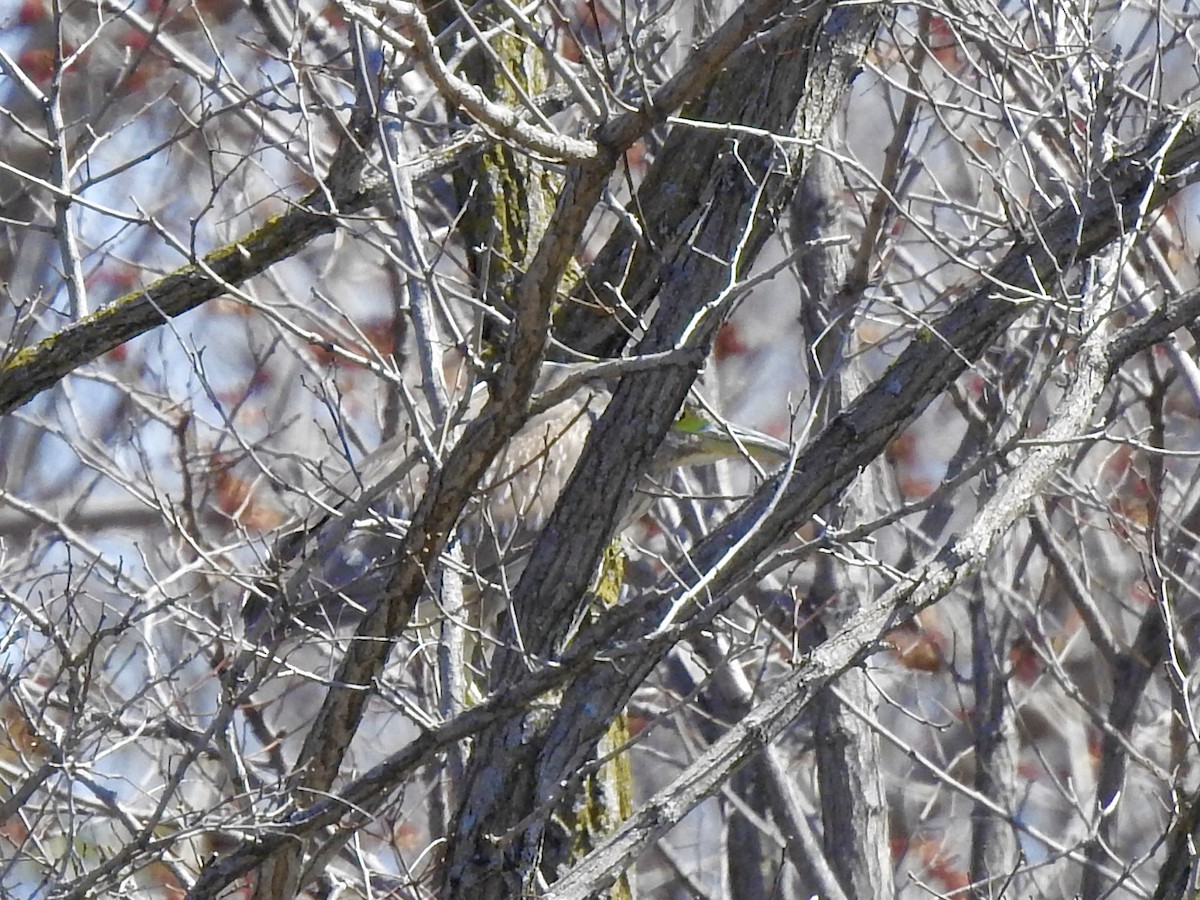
(517, 768)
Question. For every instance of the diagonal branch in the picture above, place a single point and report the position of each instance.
(1129, 187)
(28, 372)
(861, 635)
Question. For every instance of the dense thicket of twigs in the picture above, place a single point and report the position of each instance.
(947, 252)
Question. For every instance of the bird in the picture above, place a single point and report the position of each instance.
(330, 569)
